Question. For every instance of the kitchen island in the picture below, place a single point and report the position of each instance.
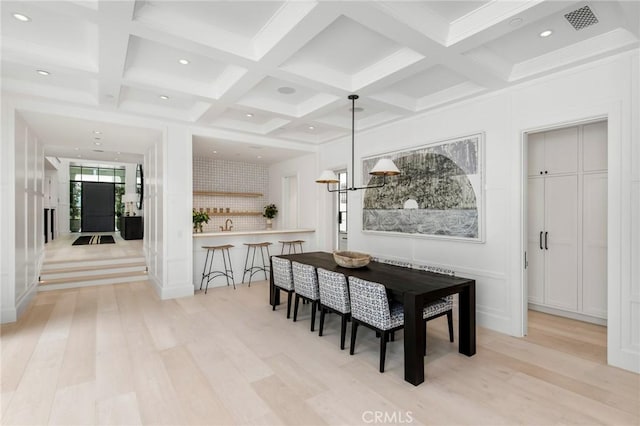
(239, 252)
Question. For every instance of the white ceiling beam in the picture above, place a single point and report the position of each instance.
(114, 20)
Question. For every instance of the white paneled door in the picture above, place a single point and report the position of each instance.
(567, 221)
(560, 241)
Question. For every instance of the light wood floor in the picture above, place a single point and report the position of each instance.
(62, 250)
(116, 354)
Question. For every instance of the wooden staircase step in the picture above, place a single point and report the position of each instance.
(133, 275)
(46, 271)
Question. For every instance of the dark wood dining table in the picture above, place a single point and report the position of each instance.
(414, 289)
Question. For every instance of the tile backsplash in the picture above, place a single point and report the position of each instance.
(231, 176)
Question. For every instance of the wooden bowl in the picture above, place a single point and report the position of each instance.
(351, 259)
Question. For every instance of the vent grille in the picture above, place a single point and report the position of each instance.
(581, 18)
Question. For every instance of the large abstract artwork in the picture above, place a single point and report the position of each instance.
(438, 194)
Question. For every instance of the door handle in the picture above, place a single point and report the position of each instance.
(541, 248)
(546, 236)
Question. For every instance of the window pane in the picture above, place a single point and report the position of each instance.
(75, 208)
(75, 173)
(105, 175)
(119, 189)
(89, 174)
(119, 176)
(342, 203)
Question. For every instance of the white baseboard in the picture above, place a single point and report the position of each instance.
(173, 292)
(12, 314)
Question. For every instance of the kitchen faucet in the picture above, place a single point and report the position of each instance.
(226, 225)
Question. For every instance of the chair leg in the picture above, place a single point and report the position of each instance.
(343, 331)
(383, 349)
(274, 291)
(322, 313)
(450, 321)
(295, 308)
(289, 304)
(393, 336)
(313, 314)
(354, 331)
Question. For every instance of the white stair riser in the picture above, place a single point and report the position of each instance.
(89, 283)
(51, 275)
(86, 263)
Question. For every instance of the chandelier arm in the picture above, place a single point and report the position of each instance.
(354, 188)
(335, 190)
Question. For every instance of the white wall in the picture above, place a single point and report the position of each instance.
(305, 169)
(608, 89)
(22, 217)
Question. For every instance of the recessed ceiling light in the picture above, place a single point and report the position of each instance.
(215, 152)
(248, 115)
(76, 149)
(357, 109)
(97, 132)
(259, 156)
(97, 143)
(43, 72)
(311, 128)
(184, 61)
(515, 22)
(164, 97)
(546, 33)
(79, 156)
(118, 152)
(20, 17)
(286, 90)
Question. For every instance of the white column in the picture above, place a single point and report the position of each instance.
(176, 213)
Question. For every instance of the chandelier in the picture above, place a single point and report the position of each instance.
(384, 167)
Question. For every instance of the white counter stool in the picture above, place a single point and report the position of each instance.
(254, 269)
(227, 272)
(290, 244)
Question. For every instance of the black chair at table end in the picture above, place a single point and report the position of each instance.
(442, 307)
(334, 297)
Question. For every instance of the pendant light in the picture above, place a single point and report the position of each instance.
(384, 167)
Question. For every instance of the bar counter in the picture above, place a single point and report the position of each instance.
(239, 252)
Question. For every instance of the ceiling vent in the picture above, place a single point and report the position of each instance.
(581, 18)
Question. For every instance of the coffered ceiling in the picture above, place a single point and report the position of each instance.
(268, 72)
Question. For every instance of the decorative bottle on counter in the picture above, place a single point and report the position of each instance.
(269, 223)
